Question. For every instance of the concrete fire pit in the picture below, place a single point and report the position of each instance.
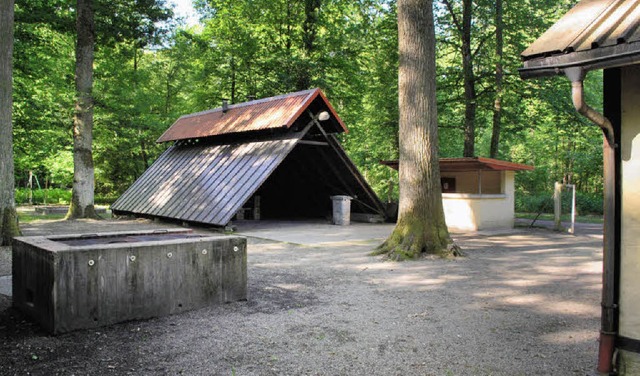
(70, 282)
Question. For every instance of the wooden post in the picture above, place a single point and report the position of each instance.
(256, 208)
(557, 206)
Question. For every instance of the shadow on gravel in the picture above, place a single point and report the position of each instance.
(521, 304)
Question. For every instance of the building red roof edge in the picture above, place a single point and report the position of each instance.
(471, 164)
(267, 113)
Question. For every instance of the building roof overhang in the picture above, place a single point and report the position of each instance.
(471, 164)
(595, 34)
(601, 58)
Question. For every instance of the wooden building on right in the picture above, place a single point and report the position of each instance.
(594, 35)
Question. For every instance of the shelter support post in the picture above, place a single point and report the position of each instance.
(608, 329)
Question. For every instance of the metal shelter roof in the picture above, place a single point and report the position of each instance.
(205, 184)
(272, 113)
(471, 164)
(594, 34)
(294, 170)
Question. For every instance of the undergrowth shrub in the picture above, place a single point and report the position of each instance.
(51, 196)
(586, 203)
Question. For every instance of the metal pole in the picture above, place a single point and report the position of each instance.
(30, 187)
(572, 230)
(573, 210)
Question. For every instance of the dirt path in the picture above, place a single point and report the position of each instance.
(520, 304)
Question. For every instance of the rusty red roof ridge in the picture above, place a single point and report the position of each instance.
(272, 113)
(254, 102)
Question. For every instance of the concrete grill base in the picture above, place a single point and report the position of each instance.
(71, 282)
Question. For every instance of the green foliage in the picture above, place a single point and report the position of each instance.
(60, 166)
(49, 196)
(529, 203)
(586, 203)
(43, 89)
(149, 71)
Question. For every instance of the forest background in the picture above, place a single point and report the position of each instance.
(151, 67)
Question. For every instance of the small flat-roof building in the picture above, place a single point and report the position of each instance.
(477, 193)
(265, 159)
(605, 34)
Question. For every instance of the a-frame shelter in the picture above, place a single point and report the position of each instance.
(276, 158)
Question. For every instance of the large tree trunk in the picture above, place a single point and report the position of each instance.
(469, 82)
(8, 217)
(421, 228)
(497, 108)
(83, 173)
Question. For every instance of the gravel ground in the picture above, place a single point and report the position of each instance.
(519, 304)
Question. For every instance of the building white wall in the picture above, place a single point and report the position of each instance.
(630, 206)
(471, 212)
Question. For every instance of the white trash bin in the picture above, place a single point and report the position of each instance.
(341, 210)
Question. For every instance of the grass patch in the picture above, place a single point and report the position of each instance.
(30, 216)
(563, 218)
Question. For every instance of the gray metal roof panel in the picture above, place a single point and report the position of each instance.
(204, 183)
(198, 166)
(590, 24)
(595, 34)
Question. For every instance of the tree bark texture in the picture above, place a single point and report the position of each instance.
(469, 82)
(83, 171)
(8, 217)
(497, 107)
(421, 227)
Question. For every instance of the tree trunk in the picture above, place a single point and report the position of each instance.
(497, 107)
(421, 228)
(309, 32)
(83, 172)
(469, 82)
(232, 65)
(8, 216)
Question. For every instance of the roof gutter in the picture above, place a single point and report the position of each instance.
(617, 56)
(608, 326)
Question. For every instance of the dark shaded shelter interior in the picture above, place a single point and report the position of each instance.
(316, 169)
(302, 186)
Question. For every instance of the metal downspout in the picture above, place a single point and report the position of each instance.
(608, 328)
